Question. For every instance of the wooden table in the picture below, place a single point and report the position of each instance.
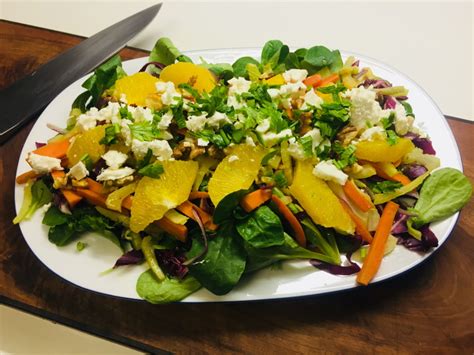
(429, 308)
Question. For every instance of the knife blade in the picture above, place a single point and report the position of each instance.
(27, 96)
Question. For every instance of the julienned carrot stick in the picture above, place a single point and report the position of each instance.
(198, 194)
(376, 250)
(127, 202)
(54, 150)
(177, 230)
(312, 80)
(187, 207)
(23, 178)
(95, 186)
(328, 80)
(361, 229)
(71, 197)
(255, 199)
(93, 197)
(356, 196)
(292, 220)
(403, 179)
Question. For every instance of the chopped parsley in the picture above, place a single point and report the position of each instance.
(381, 187)
(111, 135)
(153, 170)
(344, 156)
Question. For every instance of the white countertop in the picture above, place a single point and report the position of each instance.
(431, 42)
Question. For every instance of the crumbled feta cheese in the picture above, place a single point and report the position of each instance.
(115, 174)
(196, 123)
(238, 86)
(295, 149)
(125, 131)
(249, 141)
(294, 75)
(160, 149)
(165, 120)
(326, 170)
(403, 123)
(78, 171)
(364, 109)
(141, 114)
(217, 120)
(87, 120)
(42, 164)
(311, 99)
(110, 113)
(202, 142)
(168, 92)
(263, 126)
(114, 158)
(233, 158)
(371, 133)
(293, 90)
(273, 92)
(270, 138)
(315, 135)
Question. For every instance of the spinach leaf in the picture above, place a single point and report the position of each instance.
(240, 66)
(166, 53)
(274, 54)
(318, 57)
(220, 270)
(221, 70)
(445, 192)
(36, 195)
(103, 78)
(54, 217)
(225, 208)
(262, 228)
(166, 291)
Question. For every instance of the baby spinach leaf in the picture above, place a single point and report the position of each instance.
(240, 66)
(164, 52)
(36, 195)
(274, 54)
(318, 57)
(445, 192)
(227, 205)
(166, 291)
(221, 70)
(262, 228)
(220, 270)
(54, 217)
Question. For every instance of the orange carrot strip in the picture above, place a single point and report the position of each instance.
(312, 80)
(23, 178)
(360, 226)
(93, 197)
(95, 186)
(292, 220)
(328, 80)
(54, 150)
(57, 174)
(255, 199)
(351, 190)
(403, 179)
(397, 163)
(198, 194)
(127, 202)
(376, 250)
(71, 197)
(179, 231)
(187, 207)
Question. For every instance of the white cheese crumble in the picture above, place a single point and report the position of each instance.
(311, 99)
(296, 149)
(125, 131)
(403, 123)
(141, 114)
(372, 133)
(326, 170)
(263, 126)
(42, 164)
(168, 92)
(238, 86)
(233, 158)
(196, 123)
(115, 174)
(249, 141)
(202, 142)
(160, 149)
(270, 138)
(78, 171)
(365, 109)
(294, 75)
(165, 120)
(114, 158)
(315, 135)
(217, 120)
(89, 119)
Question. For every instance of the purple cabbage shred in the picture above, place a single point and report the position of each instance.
(350, 269)
(389, 103)
(39, 144)
(428, 240)
(172, 263)
(376, 83)
(414, 170)
(423, 143)
(400, 224)
(132, 257)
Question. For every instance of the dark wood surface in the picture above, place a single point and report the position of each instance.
(429, 308)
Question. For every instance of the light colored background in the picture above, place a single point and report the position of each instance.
(432, 42)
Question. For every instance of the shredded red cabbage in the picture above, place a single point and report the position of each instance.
(39, 145)
(132, 257)
(376, 83)
(204, 239)
(423, 143)
(350, 269)
(389, 103)
(172, 262)
(356, 63)
(428, 240)
(414, 170)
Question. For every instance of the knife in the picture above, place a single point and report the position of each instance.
(29, 95)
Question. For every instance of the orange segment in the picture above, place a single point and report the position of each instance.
(135, 87)
(237, 171)
(154, 197)
(318, 200)
(188, 73)
(381, 151)
(87, 143)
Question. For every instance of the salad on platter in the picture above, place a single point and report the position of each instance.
(207, 172)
